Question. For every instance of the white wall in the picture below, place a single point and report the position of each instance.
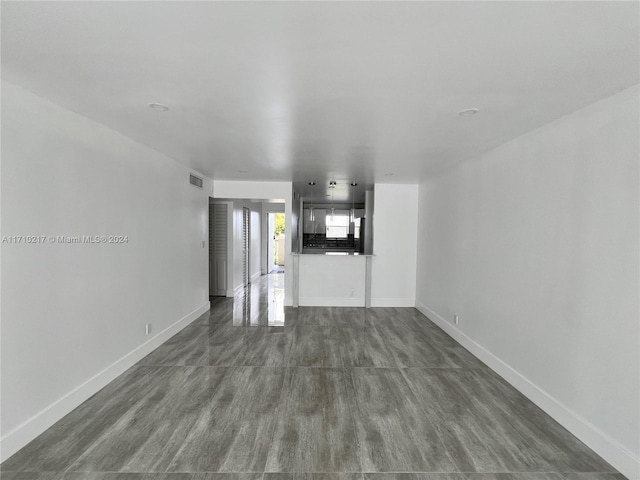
(74, 315)
(535, 246)
(236, 250)
(255, 258)
(272, 191)
(395, 225)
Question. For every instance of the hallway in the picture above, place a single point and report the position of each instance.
(254, 390)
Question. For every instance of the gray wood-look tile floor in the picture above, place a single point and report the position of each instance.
(254, 391)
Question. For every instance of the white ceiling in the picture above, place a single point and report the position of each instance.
(317, 91)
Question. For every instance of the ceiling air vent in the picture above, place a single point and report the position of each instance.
(195, 181)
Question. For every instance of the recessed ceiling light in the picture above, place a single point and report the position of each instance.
(354, 184)
(312, 183)
(332, 184)
(469, 112)
(159, 107)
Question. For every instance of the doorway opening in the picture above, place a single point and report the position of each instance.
(276, 242)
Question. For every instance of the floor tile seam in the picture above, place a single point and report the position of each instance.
(291, 346)
(337, 367)
(247, 326)
(145, 472)
(168, 366)
(391, 353)
(351, 405)
(97, 440)
(457, 369)
(528, 472)
(426, 417)
(438, 472)
(454, 369)
(282, 401)
(218, 366)
(465, 472)
(143, 395)
(155, 472)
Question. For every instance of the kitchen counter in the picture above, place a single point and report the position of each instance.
(335, 279)
(318, 251)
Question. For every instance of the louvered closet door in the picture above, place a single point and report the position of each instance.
(211, 281)
(218, 249)
(245, 245)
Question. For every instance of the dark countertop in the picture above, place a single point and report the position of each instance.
(333, 253)
(323, 250)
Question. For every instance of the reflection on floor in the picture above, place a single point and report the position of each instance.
(261, 303)
(260, 391)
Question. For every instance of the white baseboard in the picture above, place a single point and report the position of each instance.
(393, 302)
(29, 430)
(330, 302)
(600, 442)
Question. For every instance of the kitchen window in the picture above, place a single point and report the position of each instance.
(337, 224)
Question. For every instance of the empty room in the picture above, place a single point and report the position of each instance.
(320, 240)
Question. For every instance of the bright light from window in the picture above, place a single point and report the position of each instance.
(338, 224)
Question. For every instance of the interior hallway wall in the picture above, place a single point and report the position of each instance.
(535, 246)
(395, 226)
(74, 314)
(256, 242)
